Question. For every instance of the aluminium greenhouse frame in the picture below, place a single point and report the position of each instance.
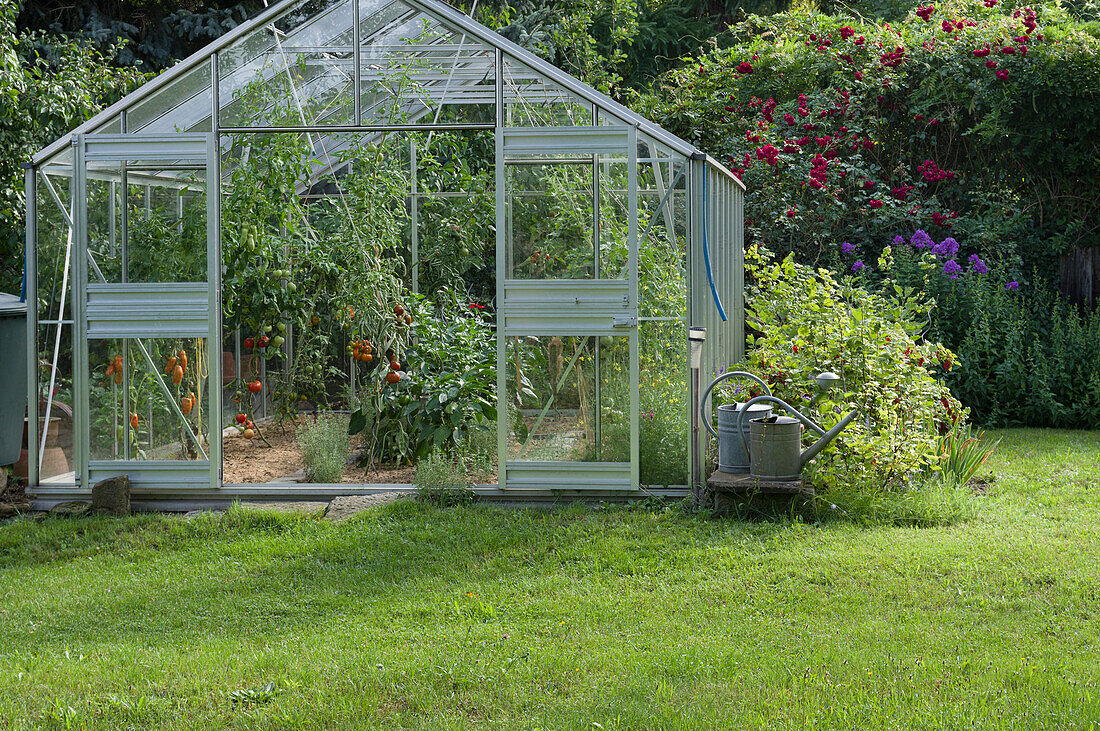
(165, 138)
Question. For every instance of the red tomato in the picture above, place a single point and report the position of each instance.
(264, 340)
(241, 418)
(249, 343)
(255, 386)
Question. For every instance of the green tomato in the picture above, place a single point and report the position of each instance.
(267, 328)
(278, 340)
(292, 287)
(281, 327)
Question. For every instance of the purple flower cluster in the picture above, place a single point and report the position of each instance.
(848, 248)
(946, 248)
(951, 268)
(858, 266)
(921, 240)
(899, 241)
(1012, 286)
(977, 265)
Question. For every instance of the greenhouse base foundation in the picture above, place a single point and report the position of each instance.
(44, 498)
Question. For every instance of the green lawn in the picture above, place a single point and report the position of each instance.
(426, 617)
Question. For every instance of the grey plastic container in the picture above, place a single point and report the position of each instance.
(13, 376)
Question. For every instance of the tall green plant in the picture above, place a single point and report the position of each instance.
(808, 321)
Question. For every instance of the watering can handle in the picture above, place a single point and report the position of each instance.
(725, 376)
(810, 423)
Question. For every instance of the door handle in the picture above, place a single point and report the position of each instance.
(624, 321)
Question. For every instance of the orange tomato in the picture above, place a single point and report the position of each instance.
(392, 377)
(248, 434)
(394, 365)
(170, 365)
(185, 406)
(182, 359)
(177, 374)
(133, 421)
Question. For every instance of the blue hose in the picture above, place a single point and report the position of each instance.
(706, 256)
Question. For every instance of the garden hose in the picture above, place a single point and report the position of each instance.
(706, 256)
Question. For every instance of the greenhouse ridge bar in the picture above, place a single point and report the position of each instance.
(233, 236)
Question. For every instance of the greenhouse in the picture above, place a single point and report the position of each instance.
(381, 209)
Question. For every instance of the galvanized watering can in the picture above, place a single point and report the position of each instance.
(733, 455)
(774, 443)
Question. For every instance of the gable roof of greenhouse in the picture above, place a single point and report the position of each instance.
(453, 52)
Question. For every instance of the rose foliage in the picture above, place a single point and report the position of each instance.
(970, 119)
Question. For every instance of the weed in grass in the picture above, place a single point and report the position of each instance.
(260, 694)
(440, 478)
(324, 446)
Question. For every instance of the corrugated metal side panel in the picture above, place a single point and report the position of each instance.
(721, 210)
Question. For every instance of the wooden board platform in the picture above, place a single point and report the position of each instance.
(745, 495)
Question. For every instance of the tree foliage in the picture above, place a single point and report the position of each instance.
(48, 85)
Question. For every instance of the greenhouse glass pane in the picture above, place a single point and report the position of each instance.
(53, 236)
(531, 100)
(58, 459)
(662, 232)
(568, 409)
(166, 228)
(550, 218)
(416, 70)
(183, 105)
(663, 425)
(614, 226)
(295, 71)
(156, 232)
(111, 126)
(104, 223)
(122, 378)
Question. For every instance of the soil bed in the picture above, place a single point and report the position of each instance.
(251, 461)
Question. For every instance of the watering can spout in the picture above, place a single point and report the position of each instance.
(829, 436)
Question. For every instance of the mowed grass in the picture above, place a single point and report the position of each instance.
(418, 616)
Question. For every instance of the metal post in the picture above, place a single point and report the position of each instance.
(632, 268)
(501, 273)
(30, 255)
(80, 324)
(214, 282)
(414, 220)
(357, 75)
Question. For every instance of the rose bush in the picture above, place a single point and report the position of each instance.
(969, 119)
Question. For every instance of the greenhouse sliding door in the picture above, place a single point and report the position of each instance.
(567, 347)
(145, 271)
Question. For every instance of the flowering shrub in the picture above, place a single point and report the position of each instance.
(969, 119)
(812, 322)
(1025, 358)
